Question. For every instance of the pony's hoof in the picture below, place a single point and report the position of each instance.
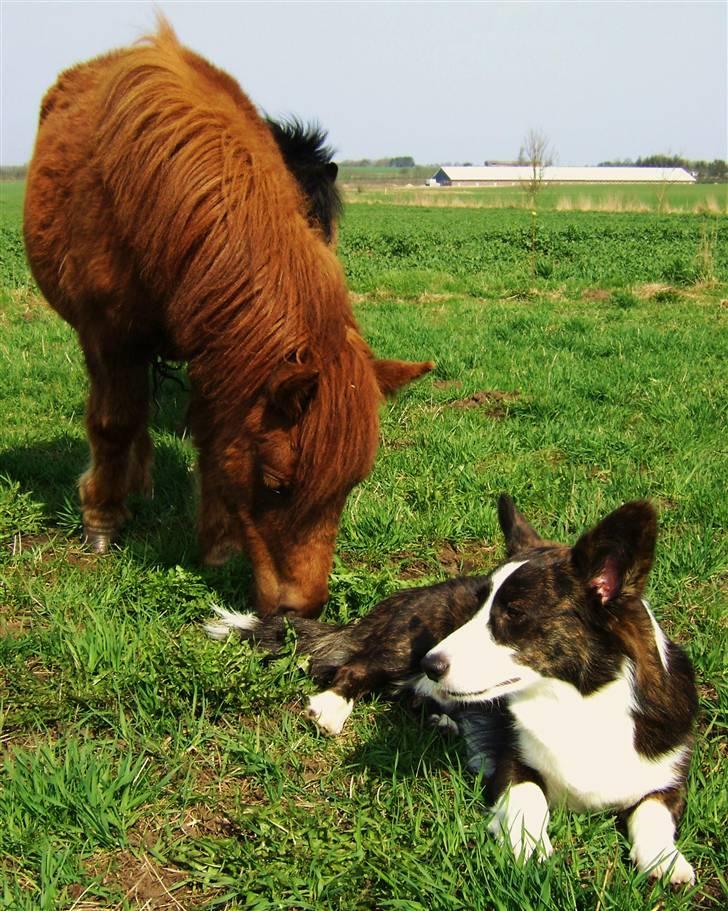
(98, 541)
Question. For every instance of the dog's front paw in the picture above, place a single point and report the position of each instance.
(652, 830)
(444, 723)
(329, 711)
(523, 844)
(673, 867)
(520, 819)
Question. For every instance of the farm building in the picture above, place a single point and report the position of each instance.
(514, 175)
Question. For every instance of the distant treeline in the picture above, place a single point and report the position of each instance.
(13, 172)
(402, 161)
(705, 171)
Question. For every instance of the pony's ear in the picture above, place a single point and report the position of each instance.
(291, 388)
(615, 557)
(392, 375)
(518, 533)
(331, 170)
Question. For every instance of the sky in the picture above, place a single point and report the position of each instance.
(440, 81)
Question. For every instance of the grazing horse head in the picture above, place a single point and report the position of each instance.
(165, 217)
(310, 437)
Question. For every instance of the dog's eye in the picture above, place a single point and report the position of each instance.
(512, 610)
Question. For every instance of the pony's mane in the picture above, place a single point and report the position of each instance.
(204, 199)
(218, 227)
(345, 447)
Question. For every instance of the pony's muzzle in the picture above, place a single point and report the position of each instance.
(296, 601)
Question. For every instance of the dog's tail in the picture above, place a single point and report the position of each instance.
(328, 645)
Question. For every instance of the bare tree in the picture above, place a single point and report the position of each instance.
(536, 152)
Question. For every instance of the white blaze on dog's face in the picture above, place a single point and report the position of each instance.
(475, 667)
(555, 612)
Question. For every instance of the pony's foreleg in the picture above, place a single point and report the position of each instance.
(218, 530)
(121, 451)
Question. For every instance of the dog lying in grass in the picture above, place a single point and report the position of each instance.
(562, 682)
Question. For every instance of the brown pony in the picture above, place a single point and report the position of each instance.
(161, 221)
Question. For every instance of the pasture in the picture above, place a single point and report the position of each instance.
(662, 198)
(581, 361)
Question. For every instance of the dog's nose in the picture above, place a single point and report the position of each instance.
(435, 666)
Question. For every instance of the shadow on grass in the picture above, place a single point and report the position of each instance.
(404, 745)
(48, 469)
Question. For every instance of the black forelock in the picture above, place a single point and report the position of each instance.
(305, 143)
(309, 158)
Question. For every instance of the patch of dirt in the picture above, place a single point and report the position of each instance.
(465, 559)
(493, 401)
(414, 569)
(595, 294)
(708, 692)
(18, 543)
(12, 741)
(199, 820)
(33, 305)
(433, 297)
(38, 669)
(315, 766)
(12, 628)
(143, 881)
(454, 559)
(650, 289)
(45, 546)
(664, 504)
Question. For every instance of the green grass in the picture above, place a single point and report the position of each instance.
(145, 766)
(495, 253)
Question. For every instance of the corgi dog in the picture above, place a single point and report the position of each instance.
(553, 667)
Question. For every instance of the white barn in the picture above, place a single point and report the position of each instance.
(515, 175)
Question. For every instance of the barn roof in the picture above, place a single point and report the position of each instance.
(517, 173)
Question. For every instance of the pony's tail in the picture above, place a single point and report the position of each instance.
(329, 646)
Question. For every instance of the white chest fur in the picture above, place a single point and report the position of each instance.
(583, 746)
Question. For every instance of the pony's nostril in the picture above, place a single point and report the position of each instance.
(435, 666)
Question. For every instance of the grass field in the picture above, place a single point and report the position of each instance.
(581, 361)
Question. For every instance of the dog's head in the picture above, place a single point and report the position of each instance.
(553, 611)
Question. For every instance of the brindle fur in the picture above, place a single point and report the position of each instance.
(572, 614)
(383, 650)
(578, 613)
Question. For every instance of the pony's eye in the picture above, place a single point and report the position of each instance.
(274, 484)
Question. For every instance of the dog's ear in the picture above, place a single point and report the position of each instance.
(615, 557)
(518, 533)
